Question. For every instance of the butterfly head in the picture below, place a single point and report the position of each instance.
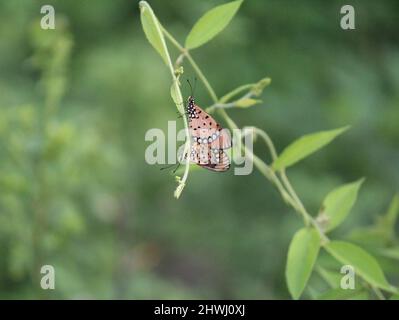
(190, 103)
(190, 108)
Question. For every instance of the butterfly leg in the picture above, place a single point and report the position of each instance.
(177, 167)
(181, 115)
(167, 167)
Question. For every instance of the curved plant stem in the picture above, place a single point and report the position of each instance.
(197, 70)
(221, 105)
(228, 96)
(202, 77)
(173, 40)
(181, 182)
(268, 141)
(292, 192)
(223, 102)
(308, 219)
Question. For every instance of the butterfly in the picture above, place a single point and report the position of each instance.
(209, 139)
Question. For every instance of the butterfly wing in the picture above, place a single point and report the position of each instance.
(204, 129)
(222, 141)
(219, 161)
(209, 140)
(209, 158)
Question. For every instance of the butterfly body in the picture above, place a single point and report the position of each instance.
(209, 139)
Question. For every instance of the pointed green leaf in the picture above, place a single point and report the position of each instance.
(393, 210)
(211, 23)
(368, 236)
(305, 146)
(302, 255)
(260, 86)
(387, 222)
(364, 264)
(246, 103)
(176, 96)
(153, 31)
(338, 203)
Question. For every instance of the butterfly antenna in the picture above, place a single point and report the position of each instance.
(177, 167)
(191, 88)
(167, 167)
(172, 165)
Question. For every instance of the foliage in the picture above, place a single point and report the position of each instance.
(76, 193)
(304, 247)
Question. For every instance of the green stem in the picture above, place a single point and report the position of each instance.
(292, 192)
(197, 70)
(173, 40)
(182, 182)
(268, 141)
(235, 92)
(220, 105)
(202, 77)
(378, 293)
(308, 219)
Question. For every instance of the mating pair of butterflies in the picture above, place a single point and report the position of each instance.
(209, 139)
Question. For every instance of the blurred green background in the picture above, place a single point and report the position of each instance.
(76, 102)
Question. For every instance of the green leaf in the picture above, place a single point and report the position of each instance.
(247, 102)
(211, 23)
(393, 210)
(305, 146)
(338, 203)
(260, 86)
(382, 233)
(176, 96)
(342, 294)
(302, 255)
(387, 222)
(364, 264)
(368, 236)
(153, 31)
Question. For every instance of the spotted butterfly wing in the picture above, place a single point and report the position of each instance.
(208, 158)
(209, 139)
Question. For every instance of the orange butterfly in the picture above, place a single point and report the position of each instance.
(209, 139)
